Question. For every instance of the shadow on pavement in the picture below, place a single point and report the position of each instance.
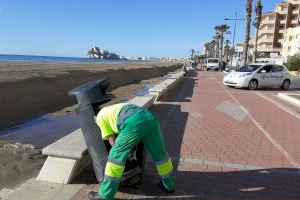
(267, 184)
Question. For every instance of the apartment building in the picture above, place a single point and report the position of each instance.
(291, 43)
(273, 26)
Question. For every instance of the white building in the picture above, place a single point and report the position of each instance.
(291, 43)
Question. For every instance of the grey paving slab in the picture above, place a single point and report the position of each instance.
(36, 190)
(42, 190)
(68, 192)
(233, 110)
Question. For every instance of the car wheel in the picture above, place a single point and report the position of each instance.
(207, 69)
(285, 85)
(252, 85)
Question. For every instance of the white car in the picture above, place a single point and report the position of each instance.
(213, 63)
(257, 75)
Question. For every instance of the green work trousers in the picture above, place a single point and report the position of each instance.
(141, 126)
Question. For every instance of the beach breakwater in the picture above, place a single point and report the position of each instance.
(23, 100)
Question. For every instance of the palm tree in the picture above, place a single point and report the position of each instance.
(192, 53)
(221, 29)
(228, 51)
(216, 38)
(256, 24)
(210, 49)
(207, 49)
(213, 44)
(247, 29)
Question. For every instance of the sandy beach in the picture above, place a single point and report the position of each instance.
(30, 90)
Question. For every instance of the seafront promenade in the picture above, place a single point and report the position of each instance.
(226, 143)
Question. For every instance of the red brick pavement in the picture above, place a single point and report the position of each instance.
(218, 157)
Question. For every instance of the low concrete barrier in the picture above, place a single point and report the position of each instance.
(68, 156)
(172, 80)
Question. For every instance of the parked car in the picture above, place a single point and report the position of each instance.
(213, 63)
(257, 75)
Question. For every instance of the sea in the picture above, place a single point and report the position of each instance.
(32, 58)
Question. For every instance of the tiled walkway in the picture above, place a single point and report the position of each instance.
(225, 144)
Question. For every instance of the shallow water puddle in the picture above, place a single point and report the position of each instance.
(144, 91)
(42, 131)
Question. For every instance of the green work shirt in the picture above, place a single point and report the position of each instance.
(107, 119)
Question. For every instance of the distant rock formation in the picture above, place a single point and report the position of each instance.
(99, 53)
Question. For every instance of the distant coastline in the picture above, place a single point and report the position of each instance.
(33, 58)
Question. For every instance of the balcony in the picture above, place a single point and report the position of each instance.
(264, 49)
(296, 11)
(265, 40)
(268, 21)
(283, 21)
(265, 31)
(294, 21)
(283, 11)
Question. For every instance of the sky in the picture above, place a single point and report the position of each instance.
(159, 28)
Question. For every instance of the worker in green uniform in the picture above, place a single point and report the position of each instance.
(132, 124)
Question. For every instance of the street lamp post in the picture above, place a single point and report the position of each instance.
(233, 38)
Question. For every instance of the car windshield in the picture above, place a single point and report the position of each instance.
(248, 68)
(213, 61)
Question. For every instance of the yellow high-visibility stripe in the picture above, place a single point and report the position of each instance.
(114, 170)
(164, 168)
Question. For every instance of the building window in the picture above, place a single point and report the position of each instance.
(294, 17)
(268, 46)
(289, 48)
(290, 38)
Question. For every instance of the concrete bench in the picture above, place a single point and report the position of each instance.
(68, 156)
(177, 75)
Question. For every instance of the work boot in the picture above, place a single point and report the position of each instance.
(94, 196)
(161, 186)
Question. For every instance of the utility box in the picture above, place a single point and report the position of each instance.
(90, 96)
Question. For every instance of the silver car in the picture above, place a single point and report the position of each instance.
(257, 75)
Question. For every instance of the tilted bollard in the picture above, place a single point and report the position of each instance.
(88, 95)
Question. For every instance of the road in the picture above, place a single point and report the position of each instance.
(225, 143)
